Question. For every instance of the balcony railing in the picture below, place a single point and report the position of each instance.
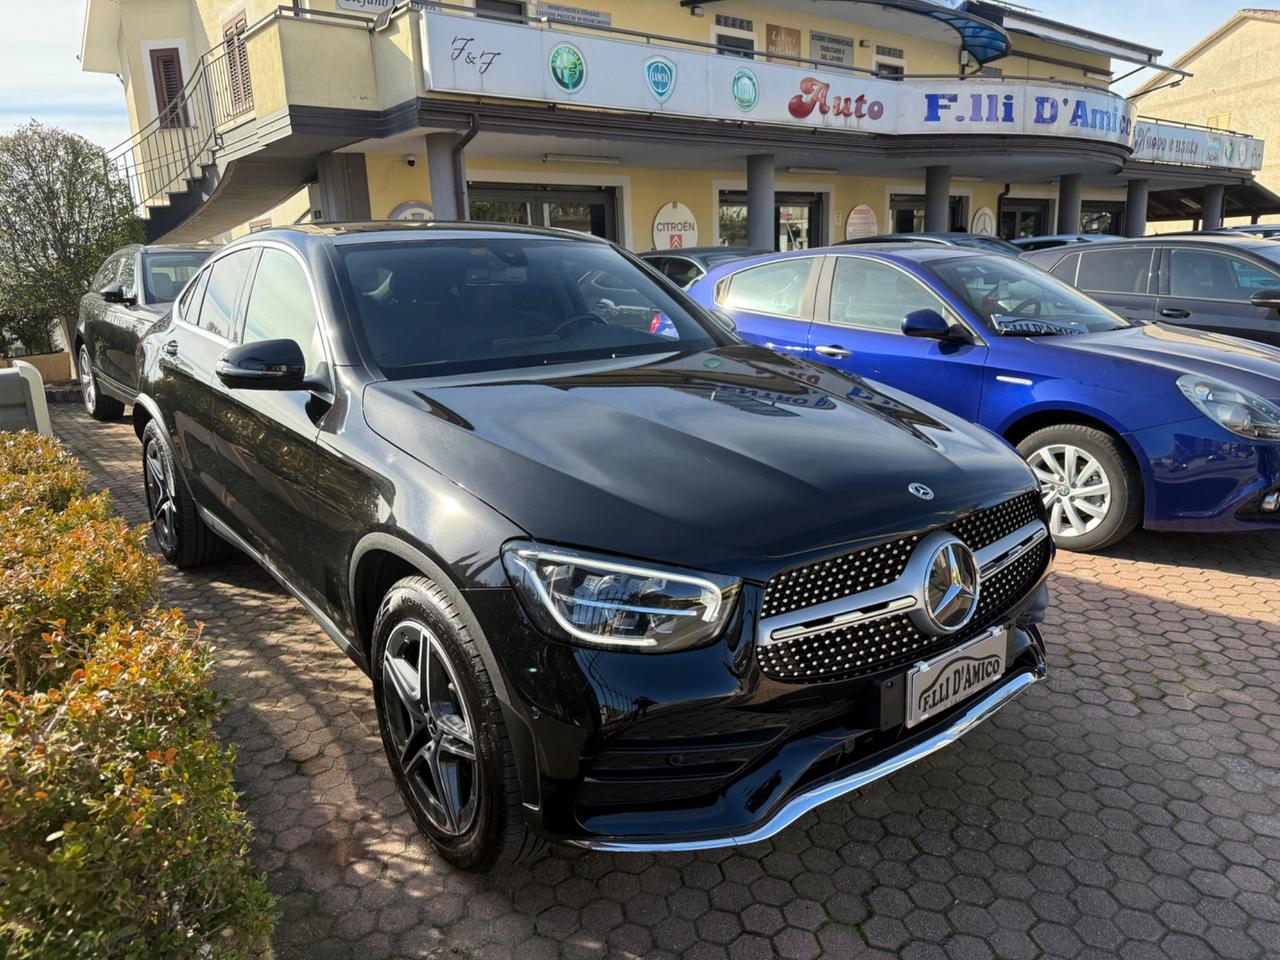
(162, 156)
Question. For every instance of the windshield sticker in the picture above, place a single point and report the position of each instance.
(1030, 327)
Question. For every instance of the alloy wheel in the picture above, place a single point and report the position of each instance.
(160, 498)
(431, 727)
(1075, 488)
(88, 392)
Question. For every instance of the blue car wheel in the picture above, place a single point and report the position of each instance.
(1090, 485)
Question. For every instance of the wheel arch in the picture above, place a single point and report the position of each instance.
(381, 559)
(144, 411)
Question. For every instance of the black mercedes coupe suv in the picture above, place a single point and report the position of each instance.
(619, 578)
(133, 288)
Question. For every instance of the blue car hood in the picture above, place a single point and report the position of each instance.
(1253, 366)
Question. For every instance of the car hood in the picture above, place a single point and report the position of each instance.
(1254, 366)
(723, 460)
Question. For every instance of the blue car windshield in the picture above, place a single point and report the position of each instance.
(1016, 299)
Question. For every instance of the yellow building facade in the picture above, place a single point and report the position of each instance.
(655, 123)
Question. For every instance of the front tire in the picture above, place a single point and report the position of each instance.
(443, 732)
(1091, 487)
(96, 403)
(180, 534)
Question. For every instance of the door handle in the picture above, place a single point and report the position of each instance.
(171, 348)
(1173, 313)
(834, 351)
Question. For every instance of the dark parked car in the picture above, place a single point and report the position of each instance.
(686, 265)
(975, 241)
(638, 591)
(1269, 230)
(1212, 282)
(132, 289)
(1048, 242)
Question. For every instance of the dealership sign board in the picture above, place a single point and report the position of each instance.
(515, 61)
(1170, 143)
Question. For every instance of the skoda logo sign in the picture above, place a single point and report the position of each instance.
(921, 491)
(660, 75)
(568, 67)
(746, 90)
(951, 587)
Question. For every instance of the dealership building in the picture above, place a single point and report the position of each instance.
(655, 123)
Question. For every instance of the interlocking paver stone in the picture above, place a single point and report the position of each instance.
(1130, 807)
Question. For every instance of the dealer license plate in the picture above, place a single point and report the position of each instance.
(934, 685)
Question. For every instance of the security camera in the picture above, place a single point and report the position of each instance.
(410, 160)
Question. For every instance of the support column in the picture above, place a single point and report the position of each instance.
(1135, 208)
(449, 200)
(937, 199)
(762, 226)
(342, 187)
(1069, 186)
(1214, 197)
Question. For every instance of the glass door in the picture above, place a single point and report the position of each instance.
(797, 220)
(590, 210)
(1024, 218)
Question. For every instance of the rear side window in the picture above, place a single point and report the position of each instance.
(1116, 270)
(778, 288)
(217, 313)
(281, 307)
(189, 305)
(681, 272)
(1066, 268)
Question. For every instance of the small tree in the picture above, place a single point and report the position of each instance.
(61, 214)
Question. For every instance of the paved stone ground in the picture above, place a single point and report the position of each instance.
(1130, 807)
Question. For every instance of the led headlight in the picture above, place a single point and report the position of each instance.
(1233, 408)
(607, 602)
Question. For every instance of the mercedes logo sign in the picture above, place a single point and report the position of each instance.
(921, 491)
(951, 587)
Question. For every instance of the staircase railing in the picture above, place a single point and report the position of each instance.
(183, 138)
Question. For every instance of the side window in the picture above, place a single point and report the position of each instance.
(1206, 275)
(876, 296)
(681, 271)
(222, 293)
(189, 304)
(281, 307)
(1066, 268)
(106, 274)
(1115, 271)
(128, 278)
(776, 288)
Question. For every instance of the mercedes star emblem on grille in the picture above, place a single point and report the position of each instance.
(921, 491)
(951, 587)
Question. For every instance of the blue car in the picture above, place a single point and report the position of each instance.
(1123, 423)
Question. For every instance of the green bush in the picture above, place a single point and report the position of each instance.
(120, 831)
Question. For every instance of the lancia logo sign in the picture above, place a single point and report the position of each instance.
(660, 76)
(921, 491)
(951, 587)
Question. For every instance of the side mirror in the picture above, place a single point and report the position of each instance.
(265, 365)
(1269, 298)
(929, 324)
(725, 320)
(115, 294)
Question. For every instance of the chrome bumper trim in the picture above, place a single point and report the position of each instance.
(798, 806)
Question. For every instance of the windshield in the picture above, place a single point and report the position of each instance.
(165, 274)
(1017, 299)
(1267, 251)
(433, 307)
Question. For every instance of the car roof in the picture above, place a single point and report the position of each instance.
(169, 247)
(701, 251)
(307, 234)
(890, 252)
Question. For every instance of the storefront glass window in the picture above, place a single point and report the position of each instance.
(500, 211)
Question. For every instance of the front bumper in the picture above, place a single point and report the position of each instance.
(699, 748)
(1201, 478)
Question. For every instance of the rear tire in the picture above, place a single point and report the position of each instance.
(443, 731)
(180, 534)
(96, 403)
(1091, 487)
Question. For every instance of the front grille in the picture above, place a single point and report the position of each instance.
(843, 653)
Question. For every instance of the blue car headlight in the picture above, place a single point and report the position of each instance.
(608, 602)
(1243, 413)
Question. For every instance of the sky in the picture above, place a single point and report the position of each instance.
(40, 76)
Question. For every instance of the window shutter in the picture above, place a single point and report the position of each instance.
(166, 73)
(237, 58)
